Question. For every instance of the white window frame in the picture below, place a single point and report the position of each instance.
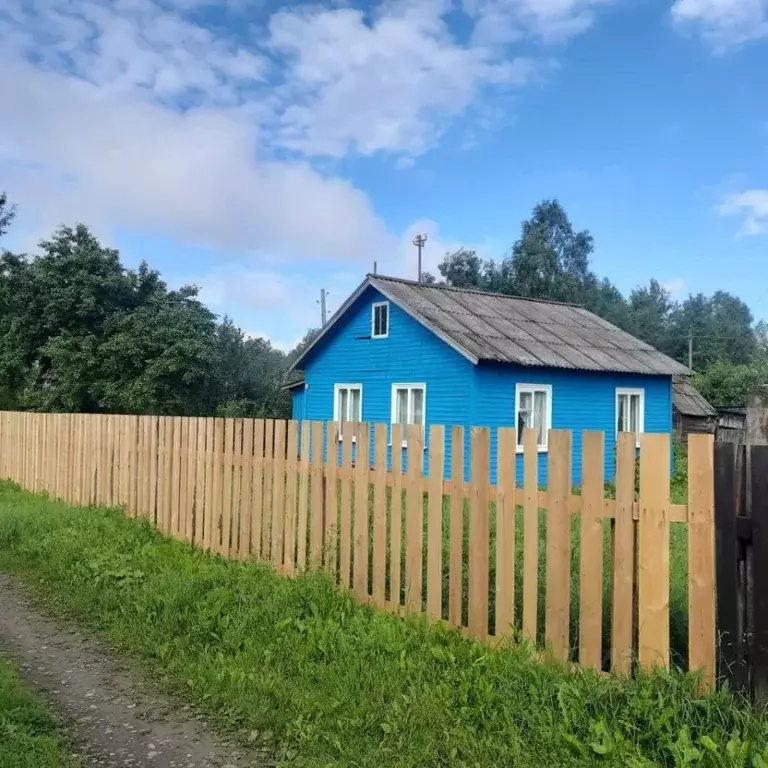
(410, 387)
(621, 391)
(336, 389)
(532, 389)
(375, 335)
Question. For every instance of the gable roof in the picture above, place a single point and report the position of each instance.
(688, 400)
(500, 328)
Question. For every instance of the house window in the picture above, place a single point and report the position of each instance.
(533, 408)
(409, 404)
(380, 320)
(630, 411)
(348, 405)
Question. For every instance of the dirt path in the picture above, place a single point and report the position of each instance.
(115, 716)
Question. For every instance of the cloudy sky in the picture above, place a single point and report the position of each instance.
(265, 151)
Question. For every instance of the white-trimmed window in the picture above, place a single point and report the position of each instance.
(533, 408)
(630, 411)
(380, 320)
(409, 404)
(347, 405)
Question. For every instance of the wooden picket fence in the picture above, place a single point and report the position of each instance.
(276, 491)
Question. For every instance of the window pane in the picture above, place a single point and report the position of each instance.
(621, 416)
(401, 410)
(540, 417)
(526, 401)
(634, 414)
(354, 410)
(417, 414)
(380, 320)
(524, 419)
(343, 401)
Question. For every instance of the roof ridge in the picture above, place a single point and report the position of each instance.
(457, 289)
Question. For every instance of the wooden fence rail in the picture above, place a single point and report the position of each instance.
(496, 560)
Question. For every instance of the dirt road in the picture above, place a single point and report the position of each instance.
(115, 716)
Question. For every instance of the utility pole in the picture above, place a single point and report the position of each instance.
(690, 348)
(323, 314)
(420, 241)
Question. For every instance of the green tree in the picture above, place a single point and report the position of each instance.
(7, 213)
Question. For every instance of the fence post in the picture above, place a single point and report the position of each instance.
(759, 485)
(727, 549)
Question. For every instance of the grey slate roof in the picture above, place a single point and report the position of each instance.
(495, 327)
(688, 400)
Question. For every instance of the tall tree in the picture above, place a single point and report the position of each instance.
(7, 213)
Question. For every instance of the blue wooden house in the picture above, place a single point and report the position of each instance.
(413, 353)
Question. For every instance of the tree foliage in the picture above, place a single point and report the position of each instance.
(80, 332)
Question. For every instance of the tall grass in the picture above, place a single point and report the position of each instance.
(298, 667)
(29, 736)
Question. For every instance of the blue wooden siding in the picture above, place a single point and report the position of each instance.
(409, 355)
(298, 403)
(581, 400)
(459, 393)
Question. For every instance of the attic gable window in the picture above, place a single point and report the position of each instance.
(630, 411)
(380, 320)
(533, 408)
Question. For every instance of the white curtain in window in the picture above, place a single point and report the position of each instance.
(343, 404)
(354, 410)
(401, 413)
(417, 410)
(540, 417)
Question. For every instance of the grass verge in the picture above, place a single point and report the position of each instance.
(29, 736)
(299, 668)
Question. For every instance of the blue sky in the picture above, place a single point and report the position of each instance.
(265, 151)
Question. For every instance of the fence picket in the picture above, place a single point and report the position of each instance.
(379, 515)
(200, 452)
(257, 489)
(317, 521)
(184, 480)
(479, 532)
(530, 534)
(456, 532)
(177, 459)
(331, 498)
(435, 523)
(361, 518)
(246, 491)
(278, 494)
(396, 520)
(267, 480)
(301, 527)
(623, 557)
(210, 471)
(217, 513)
(701, 558)
(237, 489)
(591, 564)
(558, 602)
(653, 551)
(505, 531)
(227, 482)
(414, 519)
(289, 527)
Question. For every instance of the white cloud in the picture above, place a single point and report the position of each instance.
(73, 152)
(724, 23)
(504, 21)
(752, 204)
(132, 116)
(676, 286)
(387, 84)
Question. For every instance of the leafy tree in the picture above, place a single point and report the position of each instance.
(725, 384)
(7, 213)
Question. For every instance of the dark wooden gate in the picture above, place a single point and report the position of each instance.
(741, 525)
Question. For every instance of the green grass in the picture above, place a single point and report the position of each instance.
(296, 667)
(29, 736)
